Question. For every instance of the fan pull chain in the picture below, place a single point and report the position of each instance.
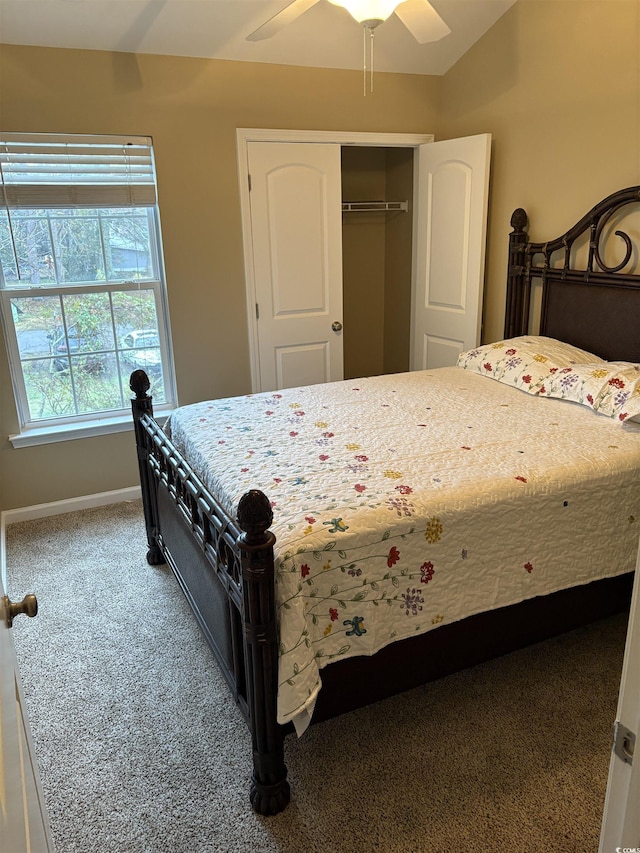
(366, 30)
(371, 32)
(364, 62)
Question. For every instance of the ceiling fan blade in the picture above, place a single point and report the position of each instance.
(281, 19)
(422, 21)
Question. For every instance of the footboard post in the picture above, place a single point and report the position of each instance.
(269, 787)
(142, 405)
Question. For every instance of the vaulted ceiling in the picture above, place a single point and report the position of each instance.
(325, 36)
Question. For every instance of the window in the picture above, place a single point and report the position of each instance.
(82, 291)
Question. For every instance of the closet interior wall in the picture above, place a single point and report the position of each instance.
(377, 257)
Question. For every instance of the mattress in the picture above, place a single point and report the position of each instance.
(409, 501)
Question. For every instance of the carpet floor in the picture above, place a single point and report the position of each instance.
(141, 750)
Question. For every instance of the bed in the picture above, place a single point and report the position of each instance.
(340, 544)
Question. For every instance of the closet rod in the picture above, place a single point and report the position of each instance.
(357, 206)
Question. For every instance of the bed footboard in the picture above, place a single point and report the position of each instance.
(226, 571)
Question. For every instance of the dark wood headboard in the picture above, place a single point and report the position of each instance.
(584, 301)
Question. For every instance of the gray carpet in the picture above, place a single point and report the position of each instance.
(140, 748)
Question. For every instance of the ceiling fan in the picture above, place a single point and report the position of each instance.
(418, 16)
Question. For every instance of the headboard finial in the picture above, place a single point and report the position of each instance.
(519, 219)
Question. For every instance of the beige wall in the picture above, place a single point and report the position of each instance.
(557, 84)
(191, 108)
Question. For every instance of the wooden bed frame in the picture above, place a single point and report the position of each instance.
(225, 566)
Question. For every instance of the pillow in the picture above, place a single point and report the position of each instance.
(611, 388)
(525, 362)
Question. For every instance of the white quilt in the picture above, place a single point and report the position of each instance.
(409, 501)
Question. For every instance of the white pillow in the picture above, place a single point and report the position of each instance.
(526, 362)
(611, 388)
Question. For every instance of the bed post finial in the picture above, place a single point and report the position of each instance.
(139, 383)
(142, 405)
(269, 787)
(255, 515)
(519, 220)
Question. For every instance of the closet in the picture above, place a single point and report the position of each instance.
(376, 259)
(364, 253)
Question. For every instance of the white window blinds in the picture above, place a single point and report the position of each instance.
(56, 171)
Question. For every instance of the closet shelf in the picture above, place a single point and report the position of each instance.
(383, 206)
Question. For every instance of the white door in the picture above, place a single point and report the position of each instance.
(621, 821)
(23, 820)
(452, 200)
(296, 224)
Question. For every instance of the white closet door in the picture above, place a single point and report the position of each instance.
(452, 199)
(296, 222)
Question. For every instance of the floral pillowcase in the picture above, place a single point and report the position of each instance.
(611, 388)
(526, 362)
(551, 368)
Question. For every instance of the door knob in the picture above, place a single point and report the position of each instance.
(336, 326)
(28, 606)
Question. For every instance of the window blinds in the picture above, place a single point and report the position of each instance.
(55, 171)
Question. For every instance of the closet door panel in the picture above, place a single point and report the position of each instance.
(453, 178)
(296, 222)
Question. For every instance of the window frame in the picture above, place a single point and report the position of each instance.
(43, 430)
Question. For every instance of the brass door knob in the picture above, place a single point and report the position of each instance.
(28, 606)
(336, 326)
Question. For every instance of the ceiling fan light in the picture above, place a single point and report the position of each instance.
(368, 10)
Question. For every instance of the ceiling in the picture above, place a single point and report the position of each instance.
(325, 36)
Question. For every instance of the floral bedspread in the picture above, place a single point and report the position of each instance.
(409, 501)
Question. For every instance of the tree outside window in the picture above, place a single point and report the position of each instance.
(83, 297)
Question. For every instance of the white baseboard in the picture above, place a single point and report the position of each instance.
(28, 513)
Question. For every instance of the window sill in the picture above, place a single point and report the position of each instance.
(44, 434)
